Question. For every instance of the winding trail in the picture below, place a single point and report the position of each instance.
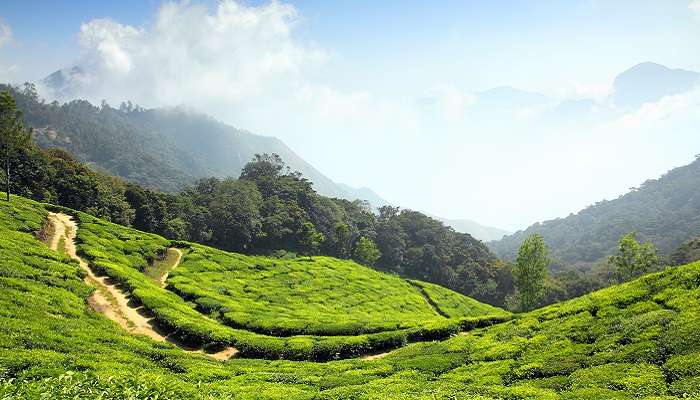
(429, 300)
(110, 300)
(164, 277)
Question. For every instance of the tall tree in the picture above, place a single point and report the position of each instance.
(530, 271)
(310, 239)
(366, 252)
(342, 240)
(633, 258)
(13, 135)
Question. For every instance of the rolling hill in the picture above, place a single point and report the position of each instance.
(665, 211)
(636, 340)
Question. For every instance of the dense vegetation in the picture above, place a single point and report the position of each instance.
(636, 340)
(665, 211)
(686, 253)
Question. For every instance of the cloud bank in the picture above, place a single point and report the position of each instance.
(190, 55)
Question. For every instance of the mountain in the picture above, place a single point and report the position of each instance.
(363, 193)
(665, 211)
(649, 82)
(478, 231)
(164, 149)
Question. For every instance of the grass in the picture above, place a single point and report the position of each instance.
(639, 340)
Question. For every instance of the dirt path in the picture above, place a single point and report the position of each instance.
(108, 299)
(375, 356)
(175, 264)
(430, 301)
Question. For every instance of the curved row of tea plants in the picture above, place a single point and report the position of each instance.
(318, 296)
(123, 254)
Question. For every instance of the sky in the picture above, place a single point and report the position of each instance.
(390, 94)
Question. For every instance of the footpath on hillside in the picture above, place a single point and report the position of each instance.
(110, 300)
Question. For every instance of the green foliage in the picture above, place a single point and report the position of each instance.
(530, 271)
(366, 252)
(686, 253)
(13, 135)
(634, 258)
(310, 239)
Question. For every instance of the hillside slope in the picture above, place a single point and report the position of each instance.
(310, 308)
(164, 149)
(665, 211)
(632, 341)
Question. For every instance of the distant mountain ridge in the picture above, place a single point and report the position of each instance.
(649, 82)
(665, 211)
(164, 149)
(477, 230)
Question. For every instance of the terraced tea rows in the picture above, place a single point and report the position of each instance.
(317, 309)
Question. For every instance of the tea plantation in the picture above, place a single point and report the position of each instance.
(637, 340)
(304, 309)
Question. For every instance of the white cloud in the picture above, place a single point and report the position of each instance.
(6, 36)
(451, 102)
(666, 107)
(194, 56)
(695, 6)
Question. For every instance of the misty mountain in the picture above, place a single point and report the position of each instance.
(665, 211)
(475, 229)
(649, 82)
(363, 193)
(163, 149)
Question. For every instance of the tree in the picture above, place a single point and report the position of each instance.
(13, 135)
(310, 239)
(633, 258)
(366, 252)
(530, 271)
(343, 239)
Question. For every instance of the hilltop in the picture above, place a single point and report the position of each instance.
(665, 211)
(636, 340)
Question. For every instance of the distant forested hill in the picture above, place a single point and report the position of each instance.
(164, 149)
(665, 211)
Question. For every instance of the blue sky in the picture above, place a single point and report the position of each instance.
(480, 44)
(394, 84)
